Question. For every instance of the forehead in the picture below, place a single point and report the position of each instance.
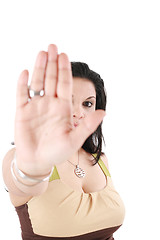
(83, 87)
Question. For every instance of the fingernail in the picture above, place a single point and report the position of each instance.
(52, 52)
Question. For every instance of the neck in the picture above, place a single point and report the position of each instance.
(84, 157)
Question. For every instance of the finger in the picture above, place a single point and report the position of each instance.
(64, 85)
(22, 89)
(51, 71)
(88, 125)
(37, 81)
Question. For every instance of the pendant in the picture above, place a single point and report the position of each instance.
(79, 172)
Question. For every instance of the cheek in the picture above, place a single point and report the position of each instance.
(92, 109)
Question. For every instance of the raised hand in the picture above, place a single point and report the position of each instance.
(44, 131)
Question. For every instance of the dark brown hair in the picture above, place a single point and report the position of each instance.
(93, 143)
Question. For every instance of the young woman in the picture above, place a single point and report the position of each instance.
(57, 175)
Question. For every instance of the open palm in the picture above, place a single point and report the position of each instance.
(44, 131)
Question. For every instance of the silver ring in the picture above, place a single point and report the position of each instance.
(33, 93)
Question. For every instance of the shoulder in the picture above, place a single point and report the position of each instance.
(104, 159)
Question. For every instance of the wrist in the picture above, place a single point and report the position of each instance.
(27, 187)
(32, 166)
(25, 178)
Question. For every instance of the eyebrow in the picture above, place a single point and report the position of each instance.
(88, 97)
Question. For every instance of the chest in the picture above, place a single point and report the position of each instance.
(94, 180)
(78, 213)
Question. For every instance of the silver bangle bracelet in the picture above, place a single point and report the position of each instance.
(24, 176)
(17, 180)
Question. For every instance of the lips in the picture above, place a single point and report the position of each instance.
(75, 124)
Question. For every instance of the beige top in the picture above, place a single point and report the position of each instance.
(64, 212)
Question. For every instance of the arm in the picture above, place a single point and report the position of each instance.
(14, 187)
(40, 120)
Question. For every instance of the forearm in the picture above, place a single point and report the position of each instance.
(20, 187)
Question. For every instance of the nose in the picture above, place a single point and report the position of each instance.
(78, 113)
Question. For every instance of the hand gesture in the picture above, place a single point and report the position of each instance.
(44, 131)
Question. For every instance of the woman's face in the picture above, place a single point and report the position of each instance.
(83, 98)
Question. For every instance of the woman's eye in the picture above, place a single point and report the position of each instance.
(88, 103)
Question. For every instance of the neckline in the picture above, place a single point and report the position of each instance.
(84, 193)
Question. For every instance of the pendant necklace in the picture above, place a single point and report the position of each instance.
(79, 172)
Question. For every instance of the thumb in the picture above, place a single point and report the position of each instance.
(86, 128)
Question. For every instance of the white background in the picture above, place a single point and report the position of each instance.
(121, 41)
